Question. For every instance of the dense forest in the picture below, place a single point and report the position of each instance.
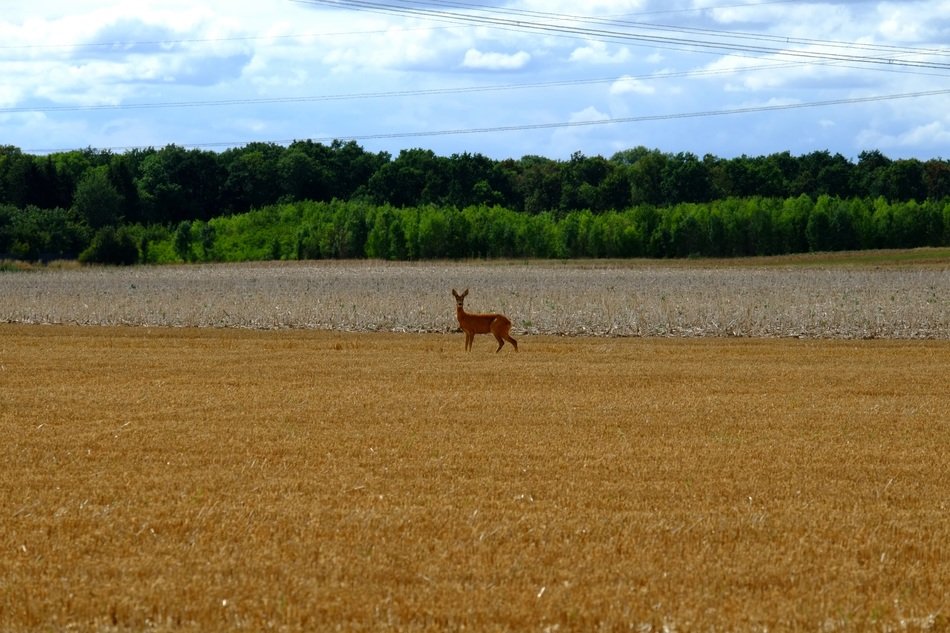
(311, 200)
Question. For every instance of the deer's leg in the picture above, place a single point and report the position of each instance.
(469, 338)
(501, 341)
(501, 329)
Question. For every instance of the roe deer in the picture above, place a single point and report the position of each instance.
(472, 324)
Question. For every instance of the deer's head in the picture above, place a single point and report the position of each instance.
(459, 298)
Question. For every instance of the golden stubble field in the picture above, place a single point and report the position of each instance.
(298, 480)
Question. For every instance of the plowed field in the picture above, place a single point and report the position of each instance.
(218, 479)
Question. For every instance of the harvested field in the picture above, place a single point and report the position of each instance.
(297, 480)
(790, 297)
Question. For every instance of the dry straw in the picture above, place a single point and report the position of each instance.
(192, 479)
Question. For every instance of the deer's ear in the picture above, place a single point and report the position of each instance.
(465, 292)
(455, 294)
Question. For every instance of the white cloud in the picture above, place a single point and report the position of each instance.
(803, 20)
(589, 113)
(587, 8)
(935, 134)
(902, 23)
(476, 59)
(628, 85)
(234, 50)
(598, 53)
(774, 102)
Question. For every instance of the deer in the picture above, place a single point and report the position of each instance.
(498, 324)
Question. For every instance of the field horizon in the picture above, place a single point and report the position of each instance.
(169, 479)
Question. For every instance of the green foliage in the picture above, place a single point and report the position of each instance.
(96, 199)
(111, 246)
(156, 244)
(733, 227)
(309, 200)
(34, 234)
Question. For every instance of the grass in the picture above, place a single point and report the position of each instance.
(220, 479)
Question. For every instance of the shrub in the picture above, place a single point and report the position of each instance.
(111, 246)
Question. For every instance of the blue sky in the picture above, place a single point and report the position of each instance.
(505, 79)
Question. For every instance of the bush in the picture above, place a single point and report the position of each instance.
(111, 246)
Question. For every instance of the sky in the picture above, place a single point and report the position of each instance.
(502, 79)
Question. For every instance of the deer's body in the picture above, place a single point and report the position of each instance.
(496, 324)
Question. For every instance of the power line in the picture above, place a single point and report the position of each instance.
(126, 44)
(573, 26)
(624, 21)
(567, 25)
(647, 118)
(554, 125)
(392, 94)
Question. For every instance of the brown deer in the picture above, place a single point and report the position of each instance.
(498, 324)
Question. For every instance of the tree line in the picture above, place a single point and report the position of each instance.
(131, 205)
(733, 227)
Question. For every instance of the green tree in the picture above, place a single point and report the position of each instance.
(112, 246)
(123, 169)
(182, 241)
(829, 226)
(904, 180)
(539, 184)
(433, 233)
(41, 234)
(937, 179)
(411, 179)
(302, 177)
(614, 192)
(685, 179)
(472, 179)
(252, 178)
(385, 239)
(350, 167)
(581, 179)
(868, 176)
(96, 199)
(15, 167)
(646, 179)
(177, 184)
(792, 224)
(822, 173)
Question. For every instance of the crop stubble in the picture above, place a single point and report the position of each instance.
(207, 479)
(563, 298)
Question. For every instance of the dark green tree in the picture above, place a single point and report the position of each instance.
(472, 179)
(252, 179)
(646, 178)
(685, 179)
(15, 168)
(413, 178)
(581, 180)
(176, 184)
(539, 184)
(96, 199)
(302, 177)
(41, 234)
(937, 179)
(123, 169)
(868, 176)
(112, 246)
(904, 180)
